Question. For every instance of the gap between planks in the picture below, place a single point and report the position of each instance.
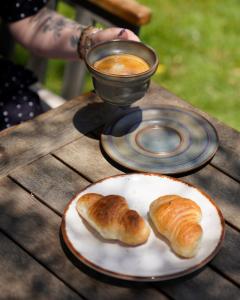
(232, 226)
(91, 180)
(72, 168)
(224, 172)
(224, 275)
(39, 262)
(34, 197)
(60, 215)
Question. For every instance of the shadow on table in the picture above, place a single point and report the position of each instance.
(121, 282)
(94, 116)
(96, 119)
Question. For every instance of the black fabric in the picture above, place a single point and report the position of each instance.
(17, 102)
(11, 11)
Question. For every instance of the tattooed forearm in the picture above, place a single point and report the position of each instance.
(54, 25)
(49, 21)
(49, 34)
(74, 41)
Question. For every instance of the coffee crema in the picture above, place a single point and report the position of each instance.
(121, 64)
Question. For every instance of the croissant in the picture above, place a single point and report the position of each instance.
(177, 219)
(112, 218)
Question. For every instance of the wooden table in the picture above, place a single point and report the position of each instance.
(44, 162)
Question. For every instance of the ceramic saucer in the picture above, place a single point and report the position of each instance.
(162, 139)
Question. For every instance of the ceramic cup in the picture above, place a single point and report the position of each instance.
(121, 90)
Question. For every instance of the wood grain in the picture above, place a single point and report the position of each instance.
(222, 189)
(47, 178)
(24, 143)
(206, 285)
(60, 126)
(27, 175)
(128, 10)
(85, 156)
(229, 263)
(36, 228)
(38, 283)
(34, 223)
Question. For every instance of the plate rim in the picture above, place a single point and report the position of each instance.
(184, 170)
(122, 276)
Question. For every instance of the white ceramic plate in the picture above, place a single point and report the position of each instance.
(153, 260)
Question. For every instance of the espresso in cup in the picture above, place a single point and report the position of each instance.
(121, 64)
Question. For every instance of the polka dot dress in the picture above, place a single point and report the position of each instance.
(17, 102)
(11, 11)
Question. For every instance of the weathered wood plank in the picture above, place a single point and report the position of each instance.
(85, 156)
(35, 171)
(47, 178)
(227, 159)
(223, 190)
(22, 144)
(21, 277)
(205, 285)
(36, 228)
(48, 132)
(229, 263)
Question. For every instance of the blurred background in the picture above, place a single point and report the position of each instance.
(198, 47)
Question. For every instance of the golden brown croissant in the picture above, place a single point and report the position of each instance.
(177, 219)
(112, 218)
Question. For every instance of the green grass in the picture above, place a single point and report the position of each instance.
(198, 47)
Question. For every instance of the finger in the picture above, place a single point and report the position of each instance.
(114, 33)
(126, 34)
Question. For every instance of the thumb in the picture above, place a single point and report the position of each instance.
(114, 33)
(125, 34)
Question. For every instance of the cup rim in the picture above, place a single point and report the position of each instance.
(151, 69)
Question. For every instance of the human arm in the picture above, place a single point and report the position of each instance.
(51, 35)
